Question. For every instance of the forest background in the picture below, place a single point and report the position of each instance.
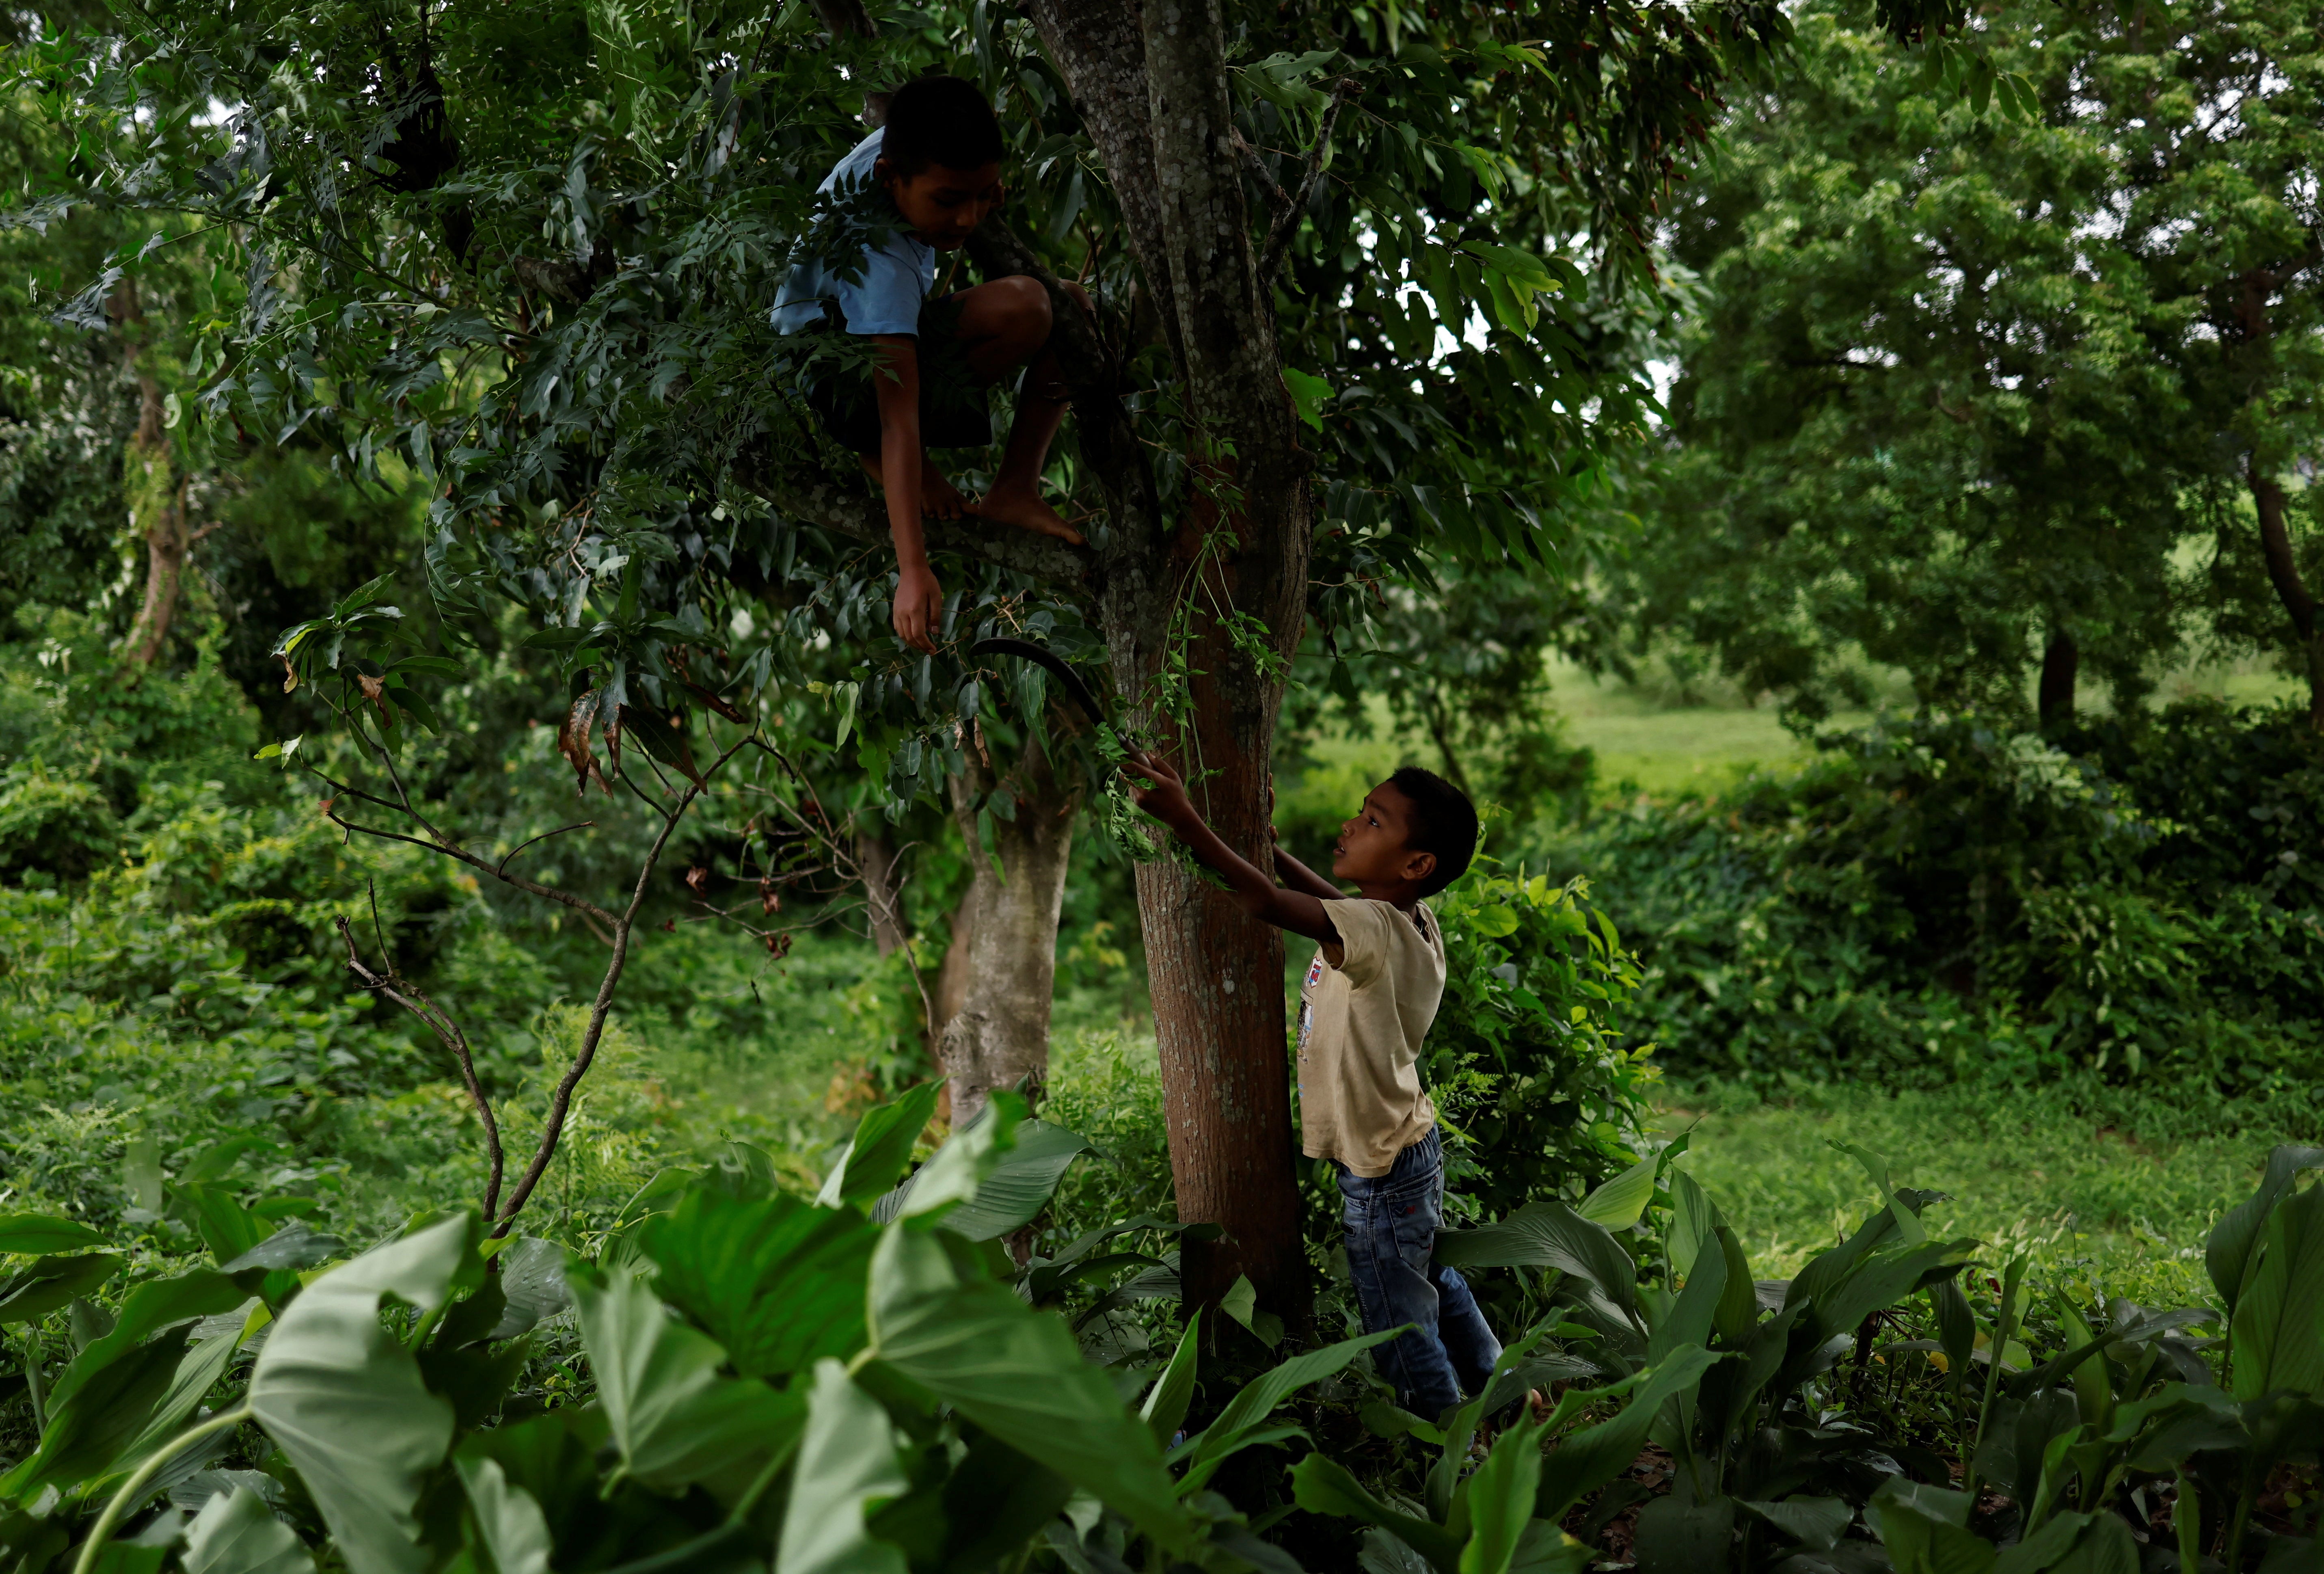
(1849, 505)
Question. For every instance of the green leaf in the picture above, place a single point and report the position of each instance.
(106, 1413)
(956, 1171)
(508, 1518)
(1693, 1220)
(847, 1462)
(2275, 1340)
(1309, 393)
(227, 1227)
(236, 1533)
(1257, 1400)
(345, 1400)
(1321, 1484)
(1677, 1534)
(676, 1420)
(1591, 1457)
(1617, 1204)
(1165, 1409)
(1018, 1373)
(1500, 1499)
(882, 1147)
(1816, 1523)
(1547, 1235)
(39, 1288)
(2227, 1254)
(1875, 1165)
(1924, 1529)
(779, 1283)
(39, 1233)
(1690, 1318)
(154, 1305)
(1016, 1189)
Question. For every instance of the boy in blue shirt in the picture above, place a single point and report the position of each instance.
(937, 161)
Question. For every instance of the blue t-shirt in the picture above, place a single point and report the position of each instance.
(896, 279)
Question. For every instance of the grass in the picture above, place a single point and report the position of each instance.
(2119, 1214)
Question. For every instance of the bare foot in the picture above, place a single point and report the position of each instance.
(940, 498)
(1024, 507)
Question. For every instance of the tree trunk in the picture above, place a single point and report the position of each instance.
(994, 992)
(882, 882)
(2283, 572)
(2061, 660)
(154, 493)
(1150, 83)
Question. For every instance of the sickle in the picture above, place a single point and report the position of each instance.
(1050, 661)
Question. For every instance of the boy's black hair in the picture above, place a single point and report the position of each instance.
(939, 120)
(1444, 822)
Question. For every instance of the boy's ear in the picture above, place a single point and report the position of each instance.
(1419, 866)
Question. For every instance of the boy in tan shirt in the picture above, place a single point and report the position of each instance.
(1369, 998)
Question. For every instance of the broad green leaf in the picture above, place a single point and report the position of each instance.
(1882, 1280)
(1815, 1523)
(1924, 1529)
(882, 1147)
(2275, 1339)
(154, 1305)
(1677, 1534)
(2228, 1253)
(345, 1400)
(106, 1412)
(1499, 1499)
(1547, 1235)
(847, 1462)
(1738, 1305)
(508, 1518)
(1691, 1317)
(778, 1283)
(1695, 1218)
(40, 1287)
(236, 1533)
(675, 1419)
(1309, 393)
(1165, 1403)
(38, 1233)
(533, 1285)
(1021, 1185)
(1591, 1457)
(1018, 1373)
(1875, 1165)
(227, 1227)
(1617, 1204)
(1321, 1484)
(1256, 1401)
(203, 1364)
(958, 1169)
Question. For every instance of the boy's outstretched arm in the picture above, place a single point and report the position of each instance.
(1165, 798)
(919, 612)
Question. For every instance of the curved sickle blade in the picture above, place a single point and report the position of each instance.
(1052, 665)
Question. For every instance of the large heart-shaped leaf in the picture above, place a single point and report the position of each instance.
(847, 1461)
(675, 1419)
(1018, 1373)
(533, 1285)
(345, 1399)
(1924, 1529)
(508, 1520)
(236, 1533)
(779, 1283)
(1021, 1185)
(880, 1148)
(1547, 1235)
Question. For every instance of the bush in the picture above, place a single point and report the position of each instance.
(1941, 899)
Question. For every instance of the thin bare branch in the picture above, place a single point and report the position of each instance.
(1288, 214)
(501, 869)
(561, 1104)
(418, 1004)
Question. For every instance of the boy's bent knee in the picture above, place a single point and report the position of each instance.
(1023, 308)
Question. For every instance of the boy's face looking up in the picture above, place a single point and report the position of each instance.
(1373, 849)
(943, 204)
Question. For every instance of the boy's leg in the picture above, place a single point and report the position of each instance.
(1468, 1338)
(1391, 1222)
(1004, 324)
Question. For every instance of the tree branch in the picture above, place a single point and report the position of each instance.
(396, 989)
(850, 510)
(1291, 208)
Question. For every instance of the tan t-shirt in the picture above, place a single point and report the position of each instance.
(1361, 1024)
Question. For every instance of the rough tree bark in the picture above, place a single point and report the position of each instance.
(993, 993)
(1151, 85)
(153, 490)
(2061, 660)
(2283, 572)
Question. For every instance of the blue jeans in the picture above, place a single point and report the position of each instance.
(1391, 1222)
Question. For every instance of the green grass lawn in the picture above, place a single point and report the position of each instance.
(2129, 1217)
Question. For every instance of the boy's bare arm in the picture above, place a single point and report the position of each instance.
(1257, 894)
(1300, 877)
(919, 600)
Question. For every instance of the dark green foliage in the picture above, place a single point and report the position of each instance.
(1947, 898)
